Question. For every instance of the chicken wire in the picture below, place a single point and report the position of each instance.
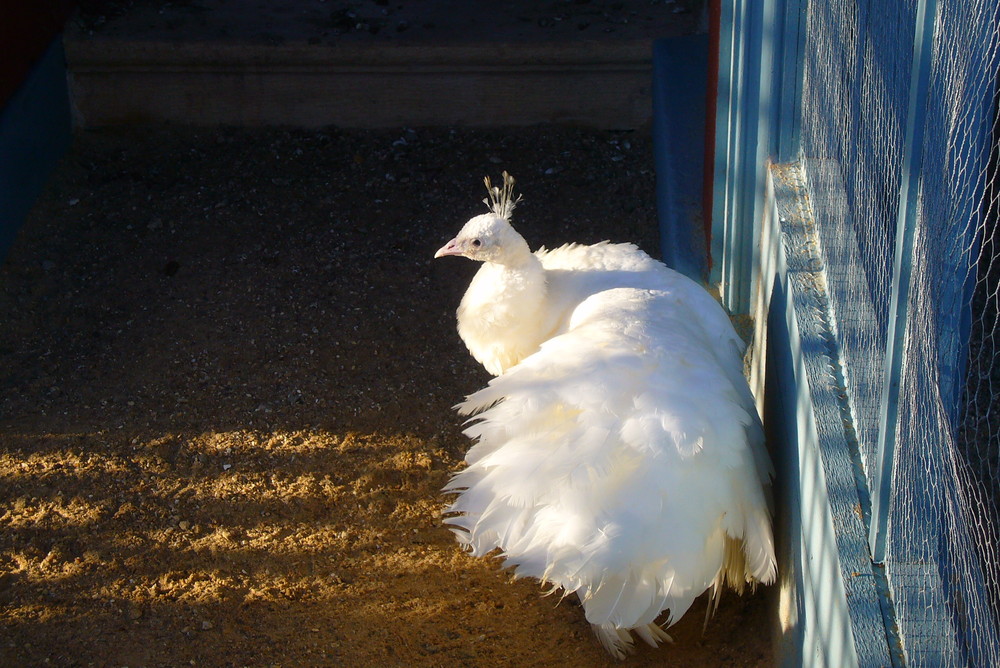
(854, 111)
(941, 551)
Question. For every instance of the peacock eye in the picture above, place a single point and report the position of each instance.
(477, 243)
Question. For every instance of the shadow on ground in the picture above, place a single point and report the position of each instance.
(228, 364)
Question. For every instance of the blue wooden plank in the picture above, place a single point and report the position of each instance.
(35, 131)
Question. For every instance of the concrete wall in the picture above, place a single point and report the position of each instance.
(487, 85)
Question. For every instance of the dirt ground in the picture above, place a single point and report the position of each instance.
(227, 364)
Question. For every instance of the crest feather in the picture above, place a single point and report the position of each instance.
(501, 200)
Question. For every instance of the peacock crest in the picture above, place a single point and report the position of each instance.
(501, 200)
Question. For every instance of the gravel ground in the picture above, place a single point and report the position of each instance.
(228, 364)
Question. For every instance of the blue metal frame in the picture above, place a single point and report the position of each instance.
(728, 162)
(758, 121)
(786, 119)
(759, 56)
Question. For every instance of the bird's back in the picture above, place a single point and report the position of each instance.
(618, 462)
(575, 272)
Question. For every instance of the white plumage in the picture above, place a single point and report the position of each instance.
(618, 451)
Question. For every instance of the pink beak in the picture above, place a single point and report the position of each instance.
(450, 248)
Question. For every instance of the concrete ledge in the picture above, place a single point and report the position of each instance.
(366, 86)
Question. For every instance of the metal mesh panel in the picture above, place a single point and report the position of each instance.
(942, 522)
(855, 93)
(942, 541)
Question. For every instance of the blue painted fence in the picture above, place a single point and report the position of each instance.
(852, 217)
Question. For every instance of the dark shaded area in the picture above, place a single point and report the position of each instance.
(227, 365)
(26, 30)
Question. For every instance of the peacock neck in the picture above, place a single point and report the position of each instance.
(519, 284)
(501, 315)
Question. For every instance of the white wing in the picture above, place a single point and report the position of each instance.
(574, 273)
(602, 256)
(619, 460)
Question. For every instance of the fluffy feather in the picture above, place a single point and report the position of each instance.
(618, 453)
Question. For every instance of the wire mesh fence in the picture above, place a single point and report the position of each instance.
(866, 133)
(852, 141)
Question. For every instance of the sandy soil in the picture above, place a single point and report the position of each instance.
(227, 364)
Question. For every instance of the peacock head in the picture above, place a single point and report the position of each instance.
(486, 238)
(490, 237)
